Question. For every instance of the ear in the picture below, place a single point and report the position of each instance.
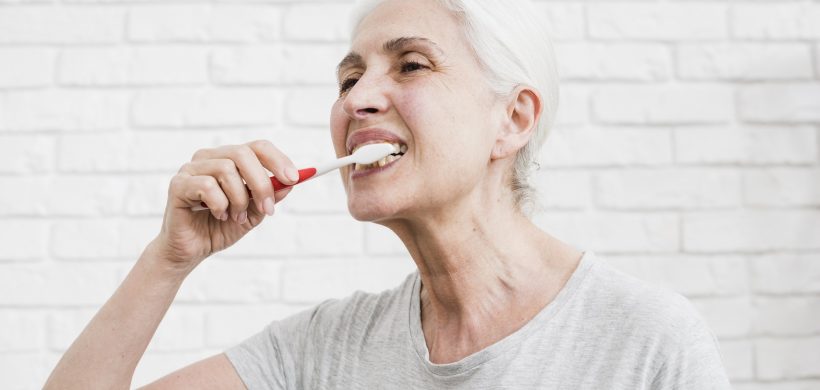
(521, 117)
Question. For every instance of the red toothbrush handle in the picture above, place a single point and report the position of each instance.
(304, 174)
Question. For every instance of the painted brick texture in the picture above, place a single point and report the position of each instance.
(687, 152)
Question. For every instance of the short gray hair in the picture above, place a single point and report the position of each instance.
(513, 49)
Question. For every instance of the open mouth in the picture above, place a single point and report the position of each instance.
(399, 150)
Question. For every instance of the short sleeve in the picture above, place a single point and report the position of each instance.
(695, 363)
(267, 360)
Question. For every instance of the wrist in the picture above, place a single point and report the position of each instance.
(157, 257)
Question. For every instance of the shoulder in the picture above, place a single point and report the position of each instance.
(358, 311)
(642, 308)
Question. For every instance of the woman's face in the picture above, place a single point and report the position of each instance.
(412, 79)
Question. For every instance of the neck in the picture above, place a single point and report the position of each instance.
(485, 272)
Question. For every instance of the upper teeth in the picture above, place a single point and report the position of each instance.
(397, 148)
(398, 151)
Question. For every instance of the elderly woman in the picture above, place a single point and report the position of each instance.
(467, 90)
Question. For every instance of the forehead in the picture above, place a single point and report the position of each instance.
(394, 19)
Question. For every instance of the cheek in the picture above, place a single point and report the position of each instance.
(338, 127)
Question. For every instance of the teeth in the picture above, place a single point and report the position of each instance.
(397, 148)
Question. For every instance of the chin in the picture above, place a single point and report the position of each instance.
(377, 206)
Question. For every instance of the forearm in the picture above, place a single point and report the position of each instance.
(107, 351)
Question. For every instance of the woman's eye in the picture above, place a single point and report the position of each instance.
(411, 66)
(347, 84)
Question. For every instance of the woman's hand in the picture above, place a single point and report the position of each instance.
(218, 177)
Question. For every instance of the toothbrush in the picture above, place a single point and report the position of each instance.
(367, 154)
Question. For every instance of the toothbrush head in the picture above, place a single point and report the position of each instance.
(369, 154)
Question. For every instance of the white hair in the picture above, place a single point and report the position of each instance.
(513, 49)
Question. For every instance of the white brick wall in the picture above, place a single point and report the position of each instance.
(687, 153)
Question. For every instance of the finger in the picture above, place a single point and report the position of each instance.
(249, 166)
(195, 189)
(226, 174)
(275, 161)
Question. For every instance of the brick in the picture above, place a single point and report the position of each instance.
(317, 22)
(27, 154)
(726, 316)
(49, 24)
(134, 66)
(564, 21)
(313, 63)
(204, 23)
(692, 276)
(137, 233)
(776, 21)
(312, 281)
(663, 104)
(787, 316)
(573, 108)
(657, 21)
(573, 147)
(745, 61)
(66, 324)
(783, 103)
(272, 64)
(248, 65)
(239, 281)
(223, 330)
(26, 67)
(56, 284)
(147, 195)
(62, 196)
(738, 359)
(62, 110)
(23, 239)
(594, 61)
(793, 273)
(323, 196)
(148, 151)
(568, 189)
(310, 106)
(24, 330)
(377, 274)
(668, 188)
(380, 240)
(181, 329)
(286, 235)
(27, 370)
(782, 187)
(85, 239)
(748, 145)
(749, 231)
(791, 358)
(203, 107)
(614, 232)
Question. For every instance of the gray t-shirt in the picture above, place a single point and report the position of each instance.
(604, 330)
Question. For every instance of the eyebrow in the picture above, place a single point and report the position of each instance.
(395, 45)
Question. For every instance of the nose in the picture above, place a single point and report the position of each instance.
(367, 98)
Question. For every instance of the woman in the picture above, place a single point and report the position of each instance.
(467, 90)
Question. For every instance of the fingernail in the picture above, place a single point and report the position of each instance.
(269, 206)
(243, 216)
(292, 174)
(224, 217)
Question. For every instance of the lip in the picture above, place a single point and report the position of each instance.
(371, 134)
